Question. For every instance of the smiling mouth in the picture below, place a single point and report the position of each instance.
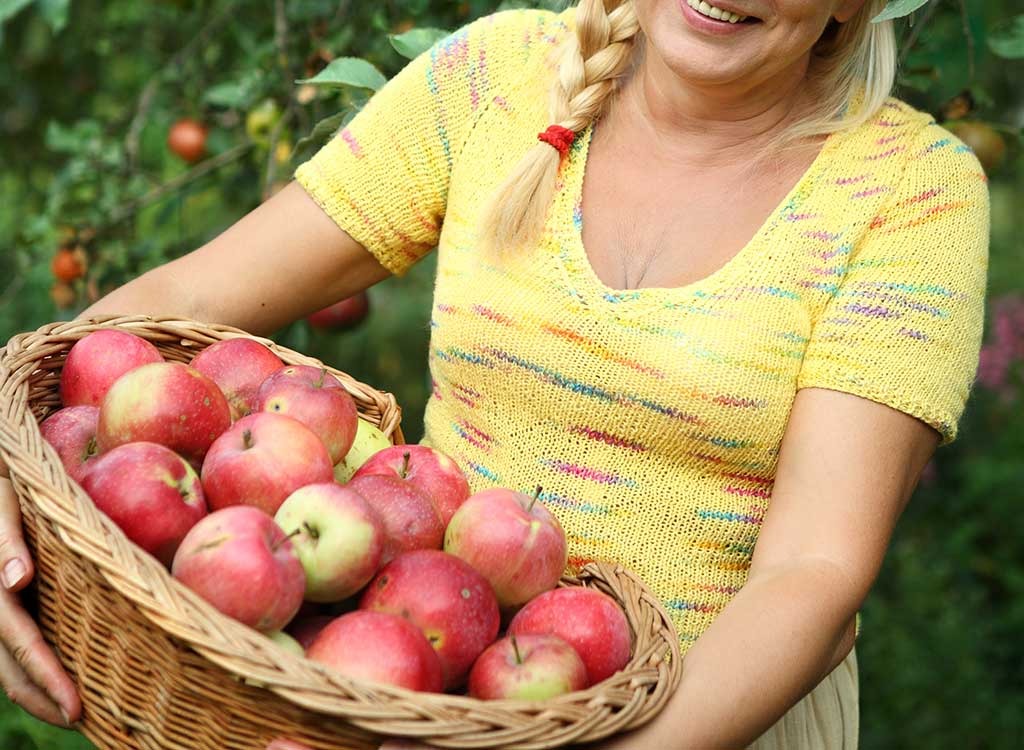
(718, 14)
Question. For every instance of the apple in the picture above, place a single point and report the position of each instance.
(305, 629)
(286, 642)
(513, 540)
(72, 433)
(261, 460)
(530, 667)
(410, 520)
(241, 562)
(150, 492)
(432, 471)
(446, 599)
(347, 313)
(238, 367)
(187, 139)
(379, 647)
(167, 403)
(318, 400)
(368, 440)
(589, 621)
(99, 359)
(339, 539)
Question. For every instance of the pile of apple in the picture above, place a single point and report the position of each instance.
(261, 489)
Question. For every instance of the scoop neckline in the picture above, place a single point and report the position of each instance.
(589, 288)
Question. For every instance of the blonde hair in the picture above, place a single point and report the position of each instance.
(853, 67)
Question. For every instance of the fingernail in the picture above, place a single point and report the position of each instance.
(64, 714)
(14, 571)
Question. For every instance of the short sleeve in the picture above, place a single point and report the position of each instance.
(384, 178)
(904, 326)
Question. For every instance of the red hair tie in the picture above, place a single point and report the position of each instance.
(559, 137)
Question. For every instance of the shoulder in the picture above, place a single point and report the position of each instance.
(512, 35)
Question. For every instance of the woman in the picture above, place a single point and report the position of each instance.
(723, 311)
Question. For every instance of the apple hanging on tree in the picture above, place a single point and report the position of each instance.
(342, 315)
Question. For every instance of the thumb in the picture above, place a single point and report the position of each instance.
(15, 561)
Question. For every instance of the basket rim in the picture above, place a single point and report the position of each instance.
(244, 652)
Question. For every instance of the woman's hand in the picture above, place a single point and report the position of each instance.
(29, 671)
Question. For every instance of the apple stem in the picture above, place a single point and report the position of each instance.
(277, 546)
(533, 502)
(405, 464)
(323, 377)
(247, 439)
(515, 650)
(91, 449)
(309, 530)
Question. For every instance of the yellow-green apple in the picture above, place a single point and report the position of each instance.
(338, 536)
(287, 642)
(238, 367)
(241, 562)
(381, 648)
(318, 400)
(306, 629)
(261, 460)
(99, 359)
(513, 540)
(72, 433)
(410, 519)
(446, 599)
(347, 313)
(432, 471)
(530, 667)
(150, 492)
(368, 440)
(589, 621)
(167, 403)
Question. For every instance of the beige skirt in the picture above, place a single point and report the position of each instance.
(828, 718)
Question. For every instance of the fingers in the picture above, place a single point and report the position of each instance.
(20, 690)
(15, 562)
(25, 649)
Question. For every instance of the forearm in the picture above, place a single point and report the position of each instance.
(778, 637)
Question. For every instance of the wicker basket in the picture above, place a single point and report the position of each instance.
(158, 667)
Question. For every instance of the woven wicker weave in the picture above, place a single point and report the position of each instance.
(158, 667)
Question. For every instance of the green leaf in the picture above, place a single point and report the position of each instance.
(349, 71)
(55, 12)
(414, 42)
(1007, 40)
(322, 132)
(898, 9)
(10, 8)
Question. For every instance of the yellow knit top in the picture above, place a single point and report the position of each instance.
(652, 418)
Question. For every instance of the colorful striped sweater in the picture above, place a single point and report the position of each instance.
(652, 418)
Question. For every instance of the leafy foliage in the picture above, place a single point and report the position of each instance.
(92, 88)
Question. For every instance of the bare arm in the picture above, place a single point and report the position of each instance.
(278, 263)
(847, 469)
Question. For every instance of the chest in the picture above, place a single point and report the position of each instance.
(648, 221)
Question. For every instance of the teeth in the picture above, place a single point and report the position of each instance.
(707, 9)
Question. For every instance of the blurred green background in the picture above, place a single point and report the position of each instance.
(91, 195)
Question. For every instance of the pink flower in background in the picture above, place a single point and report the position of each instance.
(1005, 349)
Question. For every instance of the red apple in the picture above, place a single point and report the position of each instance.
(446, 599)
(72, 432)
(589, 621)
(167, 403)
(368, 440)
(513, 540)
(241, 562)
(431, 471)
(348, 313)
(339, 541)
(379, 647)
(97, 360)
(306, 629)
(530, 667)
(150, 492)
(318, 400)
(238, 367)
(410, 519)
(261, 460)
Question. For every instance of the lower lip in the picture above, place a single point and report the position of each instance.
(709, 25)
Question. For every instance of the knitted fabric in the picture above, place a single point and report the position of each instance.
(652, 418)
